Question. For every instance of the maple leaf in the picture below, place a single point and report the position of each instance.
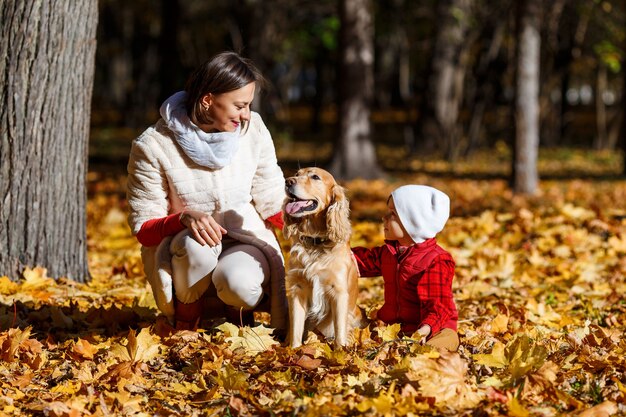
(524, 356)
(7, 286)
(185, 387)
(444, 379)
(231, 379)
(516, 409)
(495, 359)
(237, 404)
(605, 409)
(389, 332)
(577, 213)
(500, 323)
(67, 387)
(251, 340)
(383, 404)
(141, 348)
(127, 401)
(36, 278)
(16, 344)
(618, 244)
(84, 349)
(306, 362)
(22, 381)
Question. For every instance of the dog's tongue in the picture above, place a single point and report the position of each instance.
(296, 206)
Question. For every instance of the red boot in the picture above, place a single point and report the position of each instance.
(187, 316)
(239, 317)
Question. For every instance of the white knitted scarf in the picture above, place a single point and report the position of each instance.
(211, 150)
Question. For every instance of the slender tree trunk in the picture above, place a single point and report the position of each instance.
(601, 141)
(320, 81)
(573, 45)
(47, 70)
(525, 175)
(440, 121)
(552, 60)
(355, 155)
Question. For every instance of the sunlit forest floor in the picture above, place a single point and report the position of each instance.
(540, 286)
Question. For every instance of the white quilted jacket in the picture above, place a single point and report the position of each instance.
(162, 180)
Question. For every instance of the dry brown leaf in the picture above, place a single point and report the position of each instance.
(605, 409)
(307, 362)
(445, 380)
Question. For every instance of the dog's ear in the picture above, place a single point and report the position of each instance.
(338, 216)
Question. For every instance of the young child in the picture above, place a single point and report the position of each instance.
(417, 272)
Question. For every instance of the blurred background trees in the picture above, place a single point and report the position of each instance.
(443, 75)
(361, 86)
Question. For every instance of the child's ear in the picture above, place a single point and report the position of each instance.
(338, 216)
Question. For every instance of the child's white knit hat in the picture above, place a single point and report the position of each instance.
(423, 210)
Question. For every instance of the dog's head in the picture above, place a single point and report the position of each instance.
(316, 205)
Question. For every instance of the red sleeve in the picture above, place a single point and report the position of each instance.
(153, 231)
(434, 293)
(368, 261)
(276, 220)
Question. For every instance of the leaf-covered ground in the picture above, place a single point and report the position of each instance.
(540, 286)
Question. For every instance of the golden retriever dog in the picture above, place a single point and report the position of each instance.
(322, 274)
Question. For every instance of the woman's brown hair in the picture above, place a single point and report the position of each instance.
(224, 72)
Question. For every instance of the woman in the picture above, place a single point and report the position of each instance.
(203, 183)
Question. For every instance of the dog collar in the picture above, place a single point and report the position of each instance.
(313, 241)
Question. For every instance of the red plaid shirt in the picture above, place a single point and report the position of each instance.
(418, 284)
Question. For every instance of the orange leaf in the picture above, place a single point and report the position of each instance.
(307, 362)
(85, 349)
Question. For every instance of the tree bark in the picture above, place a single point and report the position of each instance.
(355, 155)
(525, 175)
(48, 51)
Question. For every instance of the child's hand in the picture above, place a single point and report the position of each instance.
(424, 331)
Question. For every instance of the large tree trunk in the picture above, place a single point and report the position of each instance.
(525, 176)
(355, 155)
(440, 113)
(47, 69)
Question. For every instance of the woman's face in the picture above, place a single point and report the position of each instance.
(228, 110)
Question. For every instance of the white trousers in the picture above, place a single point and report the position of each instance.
(239, 272)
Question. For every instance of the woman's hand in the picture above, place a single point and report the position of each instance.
(203, 227)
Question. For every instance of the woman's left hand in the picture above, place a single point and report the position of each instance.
(203, 227)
